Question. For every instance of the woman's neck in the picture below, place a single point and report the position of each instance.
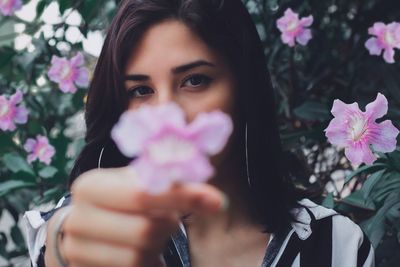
(230, 238)
(231, 178)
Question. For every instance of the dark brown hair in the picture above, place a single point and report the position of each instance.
(227, 27)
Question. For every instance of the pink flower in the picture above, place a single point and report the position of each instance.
(170, 150)
(10, 113)
(67, 73)
(7, 7)
(356, 130)
(293, 28)
(387, 38)
(39, 148)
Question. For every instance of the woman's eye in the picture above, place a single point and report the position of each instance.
(140, 91)
(197, 80)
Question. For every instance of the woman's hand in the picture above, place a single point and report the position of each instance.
(114, 224)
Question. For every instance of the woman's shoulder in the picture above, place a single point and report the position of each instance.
(311, 216)
(325, 232)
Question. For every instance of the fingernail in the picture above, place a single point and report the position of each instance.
(217, 205)
(225, 202)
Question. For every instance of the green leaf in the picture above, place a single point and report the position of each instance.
(64, 5)
(375, 226)
(34, 127)
(394, 159)
(27, 60)
(371, 181)
(50, 195)
(47, 172)
(15, 163)
(312, 110)
(9, 186)
(356, 199)
(292, 139)
(329, 201)
(89, 8)
(40, 8)
(18, 252)
(78, 98)
(3, 244)
(23, 176)
(366, 169)
(3, 240)
(17, 237)
(6, 55)
(393, 215)
(388, 186)
(6, 143)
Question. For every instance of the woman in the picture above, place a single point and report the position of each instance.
(203, 55)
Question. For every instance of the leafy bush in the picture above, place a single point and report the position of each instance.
(333, 64)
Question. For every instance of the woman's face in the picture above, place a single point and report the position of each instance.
(171, 63)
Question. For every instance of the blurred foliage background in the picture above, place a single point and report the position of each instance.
(334, 65)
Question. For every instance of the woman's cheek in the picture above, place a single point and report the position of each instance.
(216, 98)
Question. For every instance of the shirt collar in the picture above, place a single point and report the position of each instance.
(303, 227)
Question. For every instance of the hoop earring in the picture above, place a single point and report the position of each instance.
(101, 155)
(247, 158)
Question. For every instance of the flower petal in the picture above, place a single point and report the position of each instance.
(378, 108)
(131, 132)
(7, 125)
(16, 97)
(359, 152)
(198, 170)
(152, 180)
(377, 28)
(211, 131)
(307, 21)
(304, 36)
(290, 14)
(77, 60)
(31, 157)
(68, 87)
(21, 115)
(82, 78)
(288, 39)
(288, 17)
(29, 144)
(47, 155)
(343, 110)
(42, 139)
(53, 74)
(373, 46)
(383, 136)
(336, 132)
(55, 60)
(388, 55)
(9, 7)
(172, 114)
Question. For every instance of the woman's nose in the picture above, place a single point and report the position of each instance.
(165, 95)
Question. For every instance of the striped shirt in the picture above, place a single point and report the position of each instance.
(320, 237)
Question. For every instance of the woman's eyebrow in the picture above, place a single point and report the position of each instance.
(191, 65)
(176, 70)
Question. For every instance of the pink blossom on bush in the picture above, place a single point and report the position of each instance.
(293, 29)
(39, 148)
(8, 7)
(11, 113)
(387, 38)
(356, 130)
(68, 73)
(170, 150)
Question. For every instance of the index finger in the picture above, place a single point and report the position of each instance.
(116, 189)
